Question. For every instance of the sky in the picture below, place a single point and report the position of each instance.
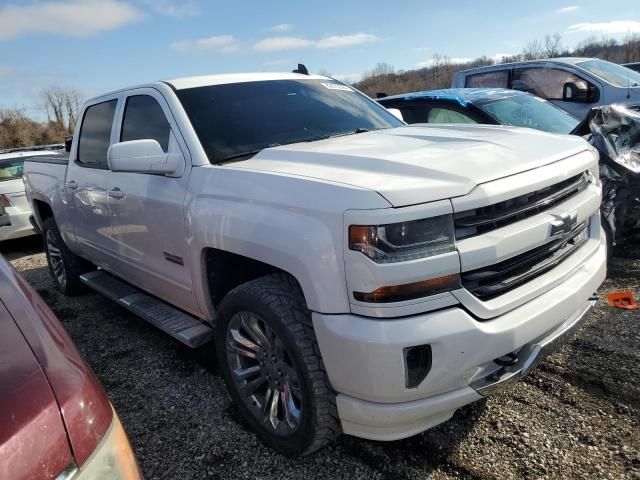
(100, 45)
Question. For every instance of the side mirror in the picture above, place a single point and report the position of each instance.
(67, 144)
(571, 92)
(142, 156)
(396, 113)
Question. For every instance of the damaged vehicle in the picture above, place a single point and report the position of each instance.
(354, 274)
(489, 106)
(613, 130)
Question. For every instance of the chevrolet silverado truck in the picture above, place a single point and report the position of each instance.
(354, 274)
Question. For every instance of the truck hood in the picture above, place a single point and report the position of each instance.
(419, 163)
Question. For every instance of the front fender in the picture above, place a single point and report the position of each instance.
(290, 223)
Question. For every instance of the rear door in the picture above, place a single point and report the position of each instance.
(147, 214)
(86, 183)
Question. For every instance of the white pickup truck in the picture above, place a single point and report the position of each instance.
(356, 274)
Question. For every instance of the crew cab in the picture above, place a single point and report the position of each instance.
(355, 274)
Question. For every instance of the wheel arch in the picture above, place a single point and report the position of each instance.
(224, 270)
(41, 211)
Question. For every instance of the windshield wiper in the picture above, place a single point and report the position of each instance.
(248, 153)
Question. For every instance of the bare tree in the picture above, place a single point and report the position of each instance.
(61, 106)
(631, 45)
(533, 50)
(607, 46)
(440, 67)
(552, 45)
(380, 70)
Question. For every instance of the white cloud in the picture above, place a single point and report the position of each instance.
(429, 63)
(616, 26)
(69, 17)
(219, 43)
(337, 41)
(569, 9)
(283, 27)
(273, 44)
(173, 8)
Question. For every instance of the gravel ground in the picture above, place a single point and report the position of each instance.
(576, 416)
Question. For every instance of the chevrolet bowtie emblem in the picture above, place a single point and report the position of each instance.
(562, 224)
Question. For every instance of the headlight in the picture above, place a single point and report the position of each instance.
(112, 459)
(400, 242)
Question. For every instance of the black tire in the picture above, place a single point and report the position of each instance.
(278, 301)
(72, 265)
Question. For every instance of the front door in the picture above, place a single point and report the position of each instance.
(548, 83)
(86, 184)
(147, 215)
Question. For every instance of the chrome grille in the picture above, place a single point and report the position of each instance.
(489, 282)
(481, 220)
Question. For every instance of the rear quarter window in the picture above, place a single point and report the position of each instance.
(497, 79)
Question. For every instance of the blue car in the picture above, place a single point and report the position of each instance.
(492, 106)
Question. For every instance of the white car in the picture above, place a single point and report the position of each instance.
(15, 223)
(357, 274)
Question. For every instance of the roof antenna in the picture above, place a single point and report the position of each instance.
(301, 69)
(628, 84)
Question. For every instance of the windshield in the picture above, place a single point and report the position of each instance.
(11, 168)
(242, 118)
(525, 110)
(613, 73)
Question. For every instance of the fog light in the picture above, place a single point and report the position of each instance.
(417, 363)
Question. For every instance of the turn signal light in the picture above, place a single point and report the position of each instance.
(410, 291)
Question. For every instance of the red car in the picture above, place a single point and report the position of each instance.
(56, 421)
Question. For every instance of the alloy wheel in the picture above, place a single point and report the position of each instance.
(263, 373)
(55, 259)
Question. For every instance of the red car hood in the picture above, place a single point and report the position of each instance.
(33, 440)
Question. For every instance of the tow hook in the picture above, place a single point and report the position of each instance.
(507, 360)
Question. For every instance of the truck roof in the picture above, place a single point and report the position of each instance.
(205, 80)
(561, 60)
(218, 79)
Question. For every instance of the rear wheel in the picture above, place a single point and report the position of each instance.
(272, 366)
(65, 267)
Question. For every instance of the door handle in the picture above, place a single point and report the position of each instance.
(71, 184)
(116, 193)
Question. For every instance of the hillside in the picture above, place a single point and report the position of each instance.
(384, 79)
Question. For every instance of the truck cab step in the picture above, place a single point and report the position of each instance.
(183, 327)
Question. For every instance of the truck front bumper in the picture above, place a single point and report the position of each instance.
(365, 362)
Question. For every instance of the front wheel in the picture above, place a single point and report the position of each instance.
(65, 267)
(272, 366)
